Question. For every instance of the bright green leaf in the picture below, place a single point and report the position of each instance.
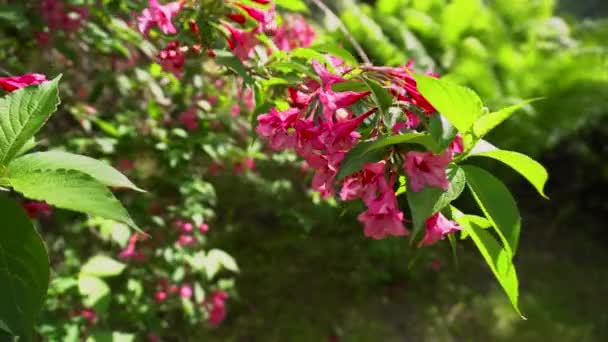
(382, 97)
(372, 151)
(70, 189)
(488, 122)
(498, 259)
(497, 204)
(24, 270)
(110, 336)
(532, 170)
(102, 266)
(292, 5)
(479, 221)
(95, 291)
(55, 160)
(430, 200)
(460, 105)
(22, 113)
(337, 51)
(225, 259)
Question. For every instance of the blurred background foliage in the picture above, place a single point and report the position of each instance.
(307, 273)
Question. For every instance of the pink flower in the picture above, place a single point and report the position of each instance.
(130, 252)
(327, 78)
(35, 209)
(185, 291)
(216, 307)
(185, 240)
(343, 135)
(364, 184)
(295, 32)
(326, 168)
(172, 59)
(275, 127)
(456, 146)
(160, 296)
(426, 168)
(383, 217)
(17, 82)
(158, 15)
(412, 122)
(89, 315)
(203, 228)
(189, 119)
(241, 42)
(332, 101)
(437, 227)
(266, 19)
(235, 110)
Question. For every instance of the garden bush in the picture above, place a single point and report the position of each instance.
(228, 114)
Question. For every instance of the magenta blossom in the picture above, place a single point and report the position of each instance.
(426, 168)
(17, 82)
(172, 59)
(159, 15)
(216, 307)
(265, 18)
(189, 119)
(457, 145)
(365, 183)
(383, 217)
(36, 209)
(275, 127)
(130, 252)
(185, 291)
(295, 32)
(241, 42)
(326, 169)
(437, 227)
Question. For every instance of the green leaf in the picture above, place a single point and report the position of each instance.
(69, 189)
(102, 266)
(22, 113)
(529, 168)
(460, 105)
(307, 53)
(350, 86)
(110, 336)
(430, 200)
(55, 160)
(442, 132)
(497, 204)
(372, 151)
(488, 122)
(229, 60)
(24, 271)
(224, 259)
(382, 97)
(498, 258)
(292, 5)
(95, 291)
(337, 51)
(481, 222)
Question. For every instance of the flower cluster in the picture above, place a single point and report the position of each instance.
(321, 128)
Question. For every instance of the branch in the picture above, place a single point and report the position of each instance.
(349, 36)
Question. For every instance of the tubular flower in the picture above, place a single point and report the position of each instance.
(426, 168)
(17, 82)
(159, 15)
(437, 227)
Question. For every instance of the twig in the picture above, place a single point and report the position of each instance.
(349, 36)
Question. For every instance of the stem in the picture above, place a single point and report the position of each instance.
(349, 36)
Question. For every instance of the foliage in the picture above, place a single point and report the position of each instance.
(221, 111)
